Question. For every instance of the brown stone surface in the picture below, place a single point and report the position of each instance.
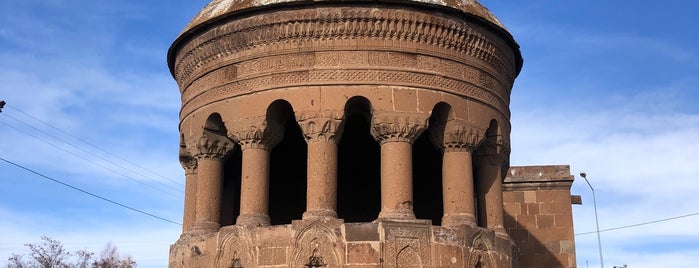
(271, 90)
(544, 230)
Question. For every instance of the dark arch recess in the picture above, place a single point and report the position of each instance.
(359, 158)
(427, 168)
(287, 185)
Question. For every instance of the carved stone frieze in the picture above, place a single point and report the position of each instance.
(397, 127)
(200, 96)
(320, 126)
(457, 136)
(210, 145)
(432, 33)
(256, 133)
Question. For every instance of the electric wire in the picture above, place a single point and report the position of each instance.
(640, 224)
(89, 160)
(90, 153)
(93, 146)
(88, 193)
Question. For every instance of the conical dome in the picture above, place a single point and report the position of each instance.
(219, 8)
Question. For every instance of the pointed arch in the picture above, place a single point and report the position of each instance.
(316, 240)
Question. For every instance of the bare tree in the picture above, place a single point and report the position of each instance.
(109, 258)
(50, 253)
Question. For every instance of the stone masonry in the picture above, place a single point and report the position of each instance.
(334, 133)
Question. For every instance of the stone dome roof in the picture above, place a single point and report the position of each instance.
(218, 8)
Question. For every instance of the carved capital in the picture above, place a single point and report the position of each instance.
(210, 145)
(493, 152)
(397, 127)
(257, 133)
(188, 162)
(320, 126)
(457, 136)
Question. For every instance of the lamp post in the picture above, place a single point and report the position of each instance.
(594, 203)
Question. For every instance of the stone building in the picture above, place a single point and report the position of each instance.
(370, 133)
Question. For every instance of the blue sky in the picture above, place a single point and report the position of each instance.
(609, 87)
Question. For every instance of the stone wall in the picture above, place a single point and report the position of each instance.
(538, 215)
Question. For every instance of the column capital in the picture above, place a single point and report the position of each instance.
(256, 133)
(209, 145)
(397, 126)
(188, 162)
(320, 125)
(493, 153)
(457, 136)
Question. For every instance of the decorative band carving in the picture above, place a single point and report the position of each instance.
(397, 127)
(308, 26)
(345, 77)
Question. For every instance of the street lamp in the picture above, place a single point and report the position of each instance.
(594, 203)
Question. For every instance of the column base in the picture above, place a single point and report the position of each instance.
(459, 219)
(253, 220)
(403, 213)
(203, 228)
(319, 214)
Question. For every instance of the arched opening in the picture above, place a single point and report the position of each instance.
(487, 147)
(427, 168)
(230, 206)
(230, 190)
(359, 158)
(287, 185)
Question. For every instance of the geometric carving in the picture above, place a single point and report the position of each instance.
(406, 244)
(235, 248)
(480, 253)
(314, 243)
(256, 133)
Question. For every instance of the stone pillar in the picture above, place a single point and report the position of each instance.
(256, 138)
(396, 133)
(457, 142)
(189, 164)
(209, 150)
(321, 133)
(489, 162)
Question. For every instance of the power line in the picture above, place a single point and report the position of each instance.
(88, 152)
(94, 146)
(88, 193)
(641, 224)
(88, 160)
(89, 144)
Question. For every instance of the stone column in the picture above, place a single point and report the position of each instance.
(209, 150)
(457, 141)
(189, 164)
(489, 161)
(396, 133)
(321, 133)
(256, 138)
